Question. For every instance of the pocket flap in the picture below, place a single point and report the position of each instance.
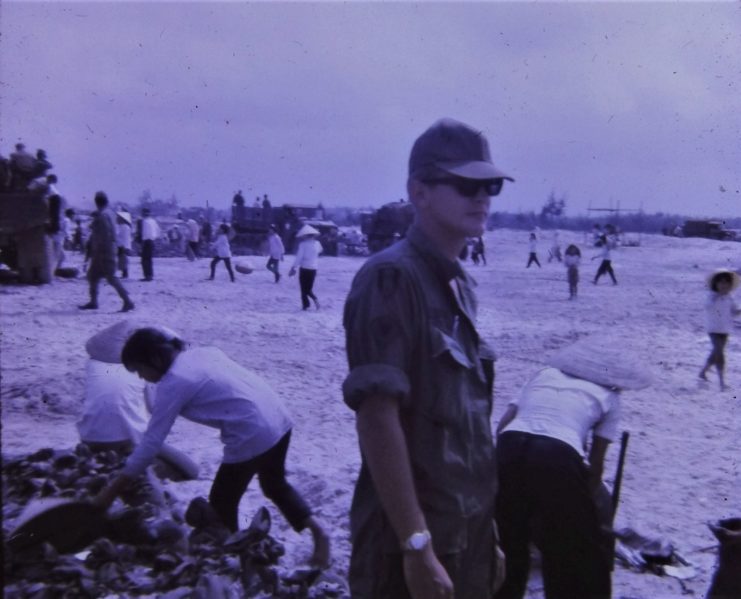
(443, 343)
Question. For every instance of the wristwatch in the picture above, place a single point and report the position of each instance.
(417, 541)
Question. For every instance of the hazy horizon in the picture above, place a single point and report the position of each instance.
(607, 104)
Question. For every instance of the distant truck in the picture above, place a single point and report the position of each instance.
(24, 245)
(710, 229)
(252, 224)
(387, 224)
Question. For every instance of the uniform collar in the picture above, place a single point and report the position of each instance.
(447, 269)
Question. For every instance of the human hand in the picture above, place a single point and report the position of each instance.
(500, 569)
(108, 494)
(425, 576)
(104, 498)
(292, 271)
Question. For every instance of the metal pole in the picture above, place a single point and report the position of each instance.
(619, 473)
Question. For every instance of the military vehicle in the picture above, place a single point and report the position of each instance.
(24, 246)
(252, 224)
(710, 229)
(387, 224)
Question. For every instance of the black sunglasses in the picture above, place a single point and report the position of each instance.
(469, 187)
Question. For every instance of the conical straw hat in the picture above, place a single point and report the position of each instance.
(306, 230)
(597, 362)
(107, 345)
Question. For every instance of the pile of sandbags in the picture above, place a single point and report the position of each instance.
(145, 547)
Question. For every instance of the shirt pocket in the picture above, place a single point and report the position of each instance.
(449, 380)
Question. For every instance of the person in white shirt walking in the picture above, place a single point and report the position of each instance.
(720, 308)
(149, 234)
(605, 266)
(276, 251)
(223, 252)
(205, 386)
(307, 260)
(123, 240)
(193, 232)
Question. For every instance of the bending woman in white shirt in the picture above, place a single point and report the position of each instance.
(205, 386)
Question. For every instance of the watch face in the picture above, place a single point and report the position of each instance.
(418, 540)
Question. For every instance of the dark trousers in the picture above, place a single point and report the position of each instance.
(376, 573)
(227, 263)
(533, 258)
(147, 255)
(272, 266)
(306, 278)
(605, 267)
(123, 262)
(544, 498)
(94, 282)
(717, 356)
(573, 276)
(232, 480)
(192, 250)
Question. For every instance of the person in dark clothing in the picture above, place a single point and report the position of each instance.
(103, 252)
(420, 383)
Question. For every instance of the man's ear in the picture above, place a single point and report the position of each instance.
(417, 192)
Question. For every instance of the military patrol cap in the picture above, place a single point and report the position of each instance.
(455, 148)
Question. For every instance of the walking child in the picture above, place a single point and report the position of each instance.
(223, 252)
(720, 308)
(571, 259)
(205, 386)
(533, 251)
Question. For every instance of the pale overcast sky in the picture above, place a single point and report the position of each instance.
(636, 104)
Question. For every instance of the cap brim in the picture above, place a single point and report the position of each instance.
(473, 170)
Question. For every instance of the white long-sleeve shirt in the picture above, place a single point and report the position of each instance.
(307, 254)
(123, 235)
(114, 409)
(719, 311)
(571, 260)
(566, 408)
(221, 246)
(207, 387)
(150, 229)
(275, 247)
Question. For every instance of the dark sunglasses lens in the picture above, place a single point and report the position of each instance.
(494, 187)
(470, 187)
(467, 187)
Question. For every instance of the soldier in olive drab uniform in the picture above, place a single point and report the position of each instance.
(421, 384)
(103, 252)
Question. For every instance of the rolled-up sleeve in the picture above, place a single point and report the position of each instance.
(379, 333)
(607, 427)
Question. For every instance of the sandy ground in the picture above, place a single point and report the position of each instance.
(682, 463)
